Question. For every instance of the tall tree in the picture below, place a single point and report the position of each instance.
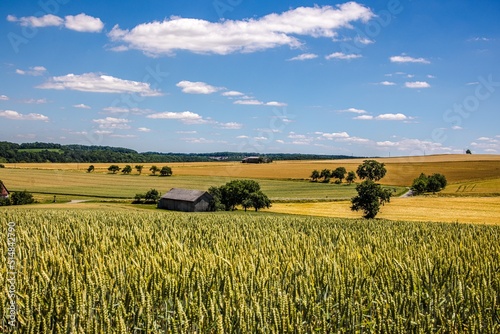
(90, 169)
(370, 197)
(113, 169)
(339, 173)
(154, 169)
(325, 174)
(351, 176)
(139, 168)
(127, 169)
(166, 171)
(371, 170)
(315, 175)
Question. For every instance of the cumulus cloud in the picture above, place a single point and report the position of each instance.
(34, 71)
(143, 129)
(353, 110)
(198, 87)
(230, 126)
(342, 56)
(408, 59)
(35, 101)
(81, 22)
(392, 117)
(260, 103)
(4, 98)
(387, 83)
(14, 115)
(364, 117)
(384, 117)
(456, 127)
(111, 123)
(183, 116)
(335, 135)
(249, 35)
(417, 84)
(81, 106)
(232, 93)
(304, 56)
(99, 83)
(414, 145)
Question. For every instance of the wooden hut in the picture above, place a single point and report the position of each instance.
(186, 200)
(4, 193)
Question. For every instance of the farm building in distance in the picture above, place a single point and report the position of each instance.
(256, 160)
(4, 193)
(186, 200)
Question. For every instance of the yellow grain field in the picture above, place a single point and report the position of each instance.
(481, 210)
(400, 170)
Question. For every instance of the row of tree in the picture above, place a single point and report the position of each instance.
(246, 193)
(339, 173)
(50, 152)
(18, 198)
(428, 183)
(164, 171)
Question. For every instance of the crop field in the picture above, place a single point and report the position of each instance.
(103, 185)
(102, 271)
(400, 171)
(479, 210)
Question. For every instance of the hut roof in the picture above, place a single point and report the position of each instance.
(187, 195)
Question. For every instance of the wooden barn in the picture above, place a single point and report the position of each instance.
(4, 193)
(186, 200)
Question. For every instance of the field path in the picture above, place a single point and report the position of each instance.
(76, 201)
(407, 194)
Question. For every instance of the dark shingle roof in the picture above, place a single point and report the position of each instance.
(183, 194)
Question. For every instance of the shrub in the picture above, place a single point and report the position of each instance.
(21, 198)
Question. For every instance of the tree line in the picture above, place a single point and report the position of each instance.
(50, 152)
(339, 173)
(113, 169)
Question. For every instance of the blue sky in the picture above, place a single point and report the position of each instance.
(373, 78)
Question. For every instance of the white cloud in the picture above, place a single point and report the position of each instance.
(187, 132)
(187, 117)
(242, 137)
(279, 141)
(335, 135)
(190, 87)
(232, 93)
(80, 22)
(248, 102)
(4, 98)
(37, 22)
(35, 101)
(304, 56)
(34, 71)
(99, 83)
(81, 106)
(392, 117)
(408, 59)
(83, 23)
(143, 130)
(122, 136)
(364, 117)
(364, 40)
(14, 115)
(417, 84)
(387, 83)
(275, 104)
(294, 135)
(343, 56)
(415, 145)
(249, 35)
(353, 110)
(479, 39)
(112, 123)
(260, 103)
(117, 110)
(456, 127)
(230, 125)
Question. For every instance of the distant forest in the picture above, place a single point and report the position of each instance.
(48, 152)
